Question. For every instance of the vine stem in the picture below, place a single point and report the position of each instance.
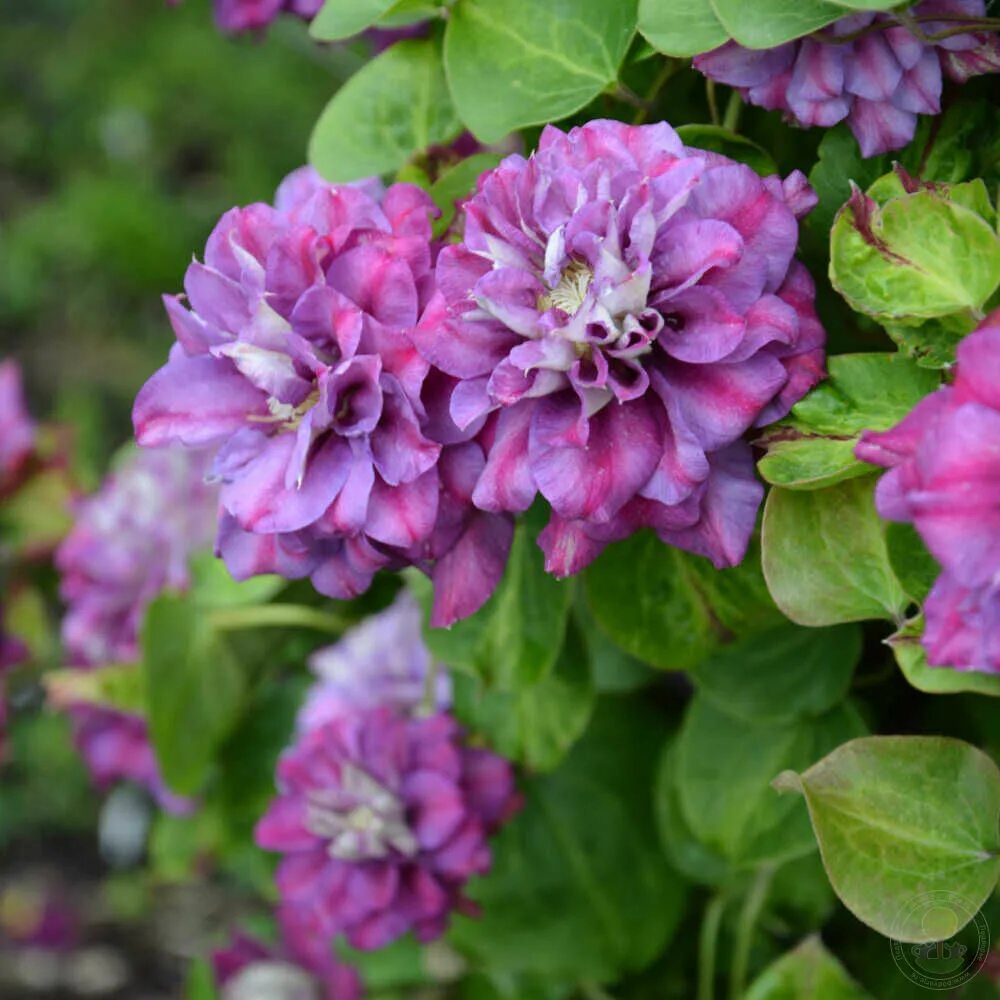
(713, 103)
(708, 945)
(731, 116)
(277, 616)
(750, 912)
(667, 70)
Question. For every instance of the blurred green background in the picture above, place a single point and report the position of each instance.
(127, 128)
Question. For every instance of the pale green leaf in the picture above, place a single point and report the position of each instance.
(681, 27)
(808, 972)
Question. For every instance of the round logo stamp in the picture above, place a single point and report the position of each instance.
(960, 942)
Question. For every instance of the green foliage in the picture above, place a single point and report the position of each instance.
(912, 659)
(681, 27)
(814, 446)
(580, 888)
(808, 971)
(338, 20)
(729, 143)
(900, 817)
(194, 690)
(396, 106)
(671, 609)
(512, 63)
(825, 557)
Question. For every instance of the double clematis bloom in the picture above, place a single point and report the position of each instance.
(294, 362)
(130, 541)
(382, 819)
(876, 70)
(944, 478)
(247, 969)
(381, 661)
(17, 430)
(621, 310)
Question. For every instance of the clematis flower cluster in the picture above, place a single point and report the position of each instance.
(294, 363)
(381, 661)
(130, 541)
(877, 71)
(247, 969)
(17, 430)
(382, 818)
(944, 479)
(621, 310)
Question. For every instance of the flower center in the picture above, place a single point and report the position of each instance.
(571, 289)
(361, 819)
(285, 416)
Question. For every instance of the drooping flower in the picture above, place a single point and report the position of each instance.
(131, 540)
(944, 478)
(382, 820)
(876, 70)
(17, 430)
(294, 361)
(620, 311)
(381, 661)
(247, 969)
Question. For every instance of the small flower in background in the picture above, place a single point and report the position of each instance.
(17, 430)
(247, 969)
(621, 310)
(944, 479)
(382, 820)
(294, 361)
(131, 540)
(871, 69)
(382, 661)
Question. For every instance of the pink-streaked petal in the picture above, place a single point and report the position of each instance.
(506, 483)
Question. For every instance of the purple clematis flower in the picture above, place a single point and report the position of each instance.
(622, 309)
(247, 969)
(876, 70)
(382, 820)
(17, 431)
(294, 361)
(382, 661)
(944, 478)
(131, 540)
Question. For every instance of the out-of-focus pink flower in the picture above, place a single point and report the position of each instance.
(944, 478)
(37, 915)
(382, 820)
(131, 540)
(294, 361)
(382, 661)
(622, 309)
(17, 431)
(870, 69)
(247, 969)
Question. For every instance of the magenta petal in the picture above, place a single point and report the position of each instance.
(399, 450)
(259, 499)
(979, 365)
(466, 576)
(920, 89)
(700, 326)
(872, 71)
(283, 826)
(594, 481)
(568, 547)
(380, 284)
(349, 512)
(506, 483)
(219, 300)
(246, 554)
(879, 127)
(693, 249)
(325, 316)
(403, 515)
(194, 401)
(348, 572)
(436, 805)
(192, 332)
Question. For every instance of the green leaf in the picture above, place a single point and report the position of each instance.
(194, 690)
(931, 343)
(515, 638)
(456, 183)
(825, 558)
(736, 147)
(393, 107)
(900, 817)
(766, 23)
(915, 568)
(681, 27)
(213, 587)
(200, 983)
(808, 972)
(513, 63)
(724, 769)
(345, 18)
(535, 724)
(783, 674)
(916, 256)
(671, 609)
(695, 860)
(912, 660)
(814, 446)
(579, 887)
